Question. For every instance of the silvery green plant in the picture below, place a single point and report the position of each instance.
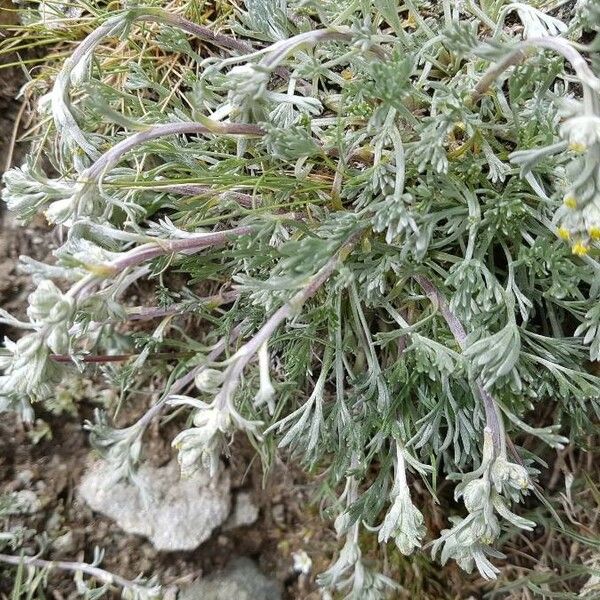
(386, 217)
(485, 492)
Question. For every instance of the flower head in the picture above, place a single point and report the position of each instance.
(505, 473)
(53, 311)
(580, 249)
(404, 523)
(209, 380)
(581, 131)
(476, 494)
(570, 201)
(247, 84)
(27, 189)
(201, 445)
(48, 305)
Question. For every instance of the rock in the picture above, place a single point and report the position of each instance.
(64, 545)
(245, 512)
(302, 562)
(278, 514)
(25, 477)
(173, 513)
(241, 580)
(26, 502)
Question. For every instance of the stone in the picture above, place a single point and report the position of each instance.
(302, 562)
(173, 513)
(244, 513)
(241, 580)
(26, 502)
(64, 545)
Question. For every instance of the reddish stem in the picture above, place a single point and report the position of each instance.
(110, 358)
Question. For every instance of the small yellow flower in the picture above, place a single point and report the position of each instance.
(594, 232)
(563, 233)
(580, 249)
(410, 22)
(103, 271)
(570, 201)
(577, 147)
(347, 74)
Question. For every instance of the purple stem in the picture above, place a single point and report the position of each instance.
(250, 348)
(206, 34)
(517, 56)
(460, 335)
(144, 313)
(111, 157)
(192, 189)
(189, 245)
(181, 383)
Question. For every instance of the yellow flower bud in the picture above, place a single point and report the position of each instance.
(410, 22)
(594, 232)
(577, 147)
(580, 249)
(563, 233)
(570, 201)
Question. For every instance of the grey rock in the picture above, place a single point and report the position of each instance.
(244, 513)
(241, 580)
(25, 477)
(65, 544)
(26, 502)
(173, 513)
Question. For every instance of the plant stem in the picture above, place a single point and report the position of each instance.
(188, 245)
(180, 384)
(218, 349)
(518, 55)
(145, 313)
(109, 358)
(145, 252)
(494, 71)
(203, 33)
(111, 157)
(96, 572)
(191, 189)
(493, 419)
(243, 356)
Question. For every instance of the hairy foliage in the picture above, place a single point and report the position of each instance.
(386, 216)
